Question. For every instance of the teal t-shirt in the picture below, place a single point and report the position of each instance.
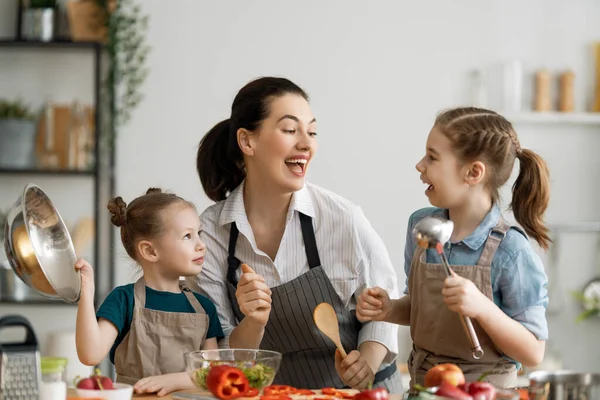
(118, 309)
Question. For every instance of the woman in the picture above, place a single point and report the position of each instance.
(307, 246)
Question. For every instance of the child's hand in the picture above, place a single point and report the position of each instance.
(353, 370)
(373, 304)
(87, 276)
(253, 296)
(163, 384)
(462, 296)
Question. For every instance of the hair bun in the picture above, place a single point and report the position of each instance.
(153, 190)
(118, 209)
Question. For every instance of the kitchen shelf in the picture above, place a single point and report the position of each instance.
(56, 44)
(37, 302)
(33, 171)
(102, 175)
(575, 227)
(572, 118)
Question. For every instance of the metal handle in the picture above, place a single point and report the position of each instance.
(465, 321)
(472, 335)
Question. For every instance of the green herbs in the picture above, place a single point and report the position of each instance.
(259, 375)
(15, 110)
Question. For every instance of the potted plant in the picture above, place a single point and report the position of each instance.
(17, 135)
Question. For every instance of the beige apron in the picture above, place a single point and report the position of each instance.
(157, 340)
(437, 333)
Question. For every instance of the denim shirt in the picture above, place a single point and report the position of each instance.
(519, 282)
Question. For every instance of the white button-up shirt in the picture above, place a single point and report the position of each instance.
(352, 255)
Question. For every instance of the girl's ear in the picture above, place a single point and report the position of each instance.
(475, 173)
(147, 251)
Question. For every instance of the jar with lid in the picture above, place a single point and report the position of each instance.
(54, 378)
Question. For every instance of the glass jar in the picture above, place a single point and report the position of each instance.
(54, 378)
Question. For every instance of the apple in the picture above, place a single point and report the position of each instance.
(86, 383)
(95, 382)
(103, 382)
(446, 372)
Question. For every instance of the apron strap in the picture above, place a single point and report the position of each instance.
(310, 246)
(310, 242)
(139, 292)
(191, 298)
(232, 262)
(496, 236)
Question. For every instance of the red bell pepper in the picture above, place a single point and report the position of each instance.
(226, 382)
(372, 394)
(275, 397)
(448, 390)
(479, 390)
(275, 390)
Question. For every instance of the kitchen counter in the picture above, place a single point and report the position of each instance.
(72, 395)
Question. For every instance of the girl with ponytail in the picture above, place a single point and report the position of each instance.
(498, 280)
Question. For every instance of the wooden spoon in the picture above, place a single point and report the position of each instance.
(327, 322)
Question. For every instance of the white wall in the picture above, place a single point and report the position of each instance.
(377, 72)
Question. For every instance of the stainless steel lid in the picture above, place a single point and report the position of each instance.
(39, 247)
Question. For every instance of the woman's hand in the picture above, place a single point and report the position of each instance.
(373, 305)
(354, 370)
(462, 296)
(253, 296)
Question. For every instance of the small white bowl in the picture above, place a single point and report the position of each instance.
(121, 391)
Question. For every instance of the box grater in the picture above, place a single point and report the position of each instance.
(20, 374)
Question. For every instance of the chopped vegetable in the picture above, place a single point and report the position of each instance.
(373, 394)
(227, 382)
(258, 374)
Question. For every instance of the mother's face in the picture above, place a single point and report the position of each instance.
(280, 150)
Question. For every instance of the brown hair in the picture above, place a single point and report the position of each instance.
(142, 218)
(219, 161)
(479, 134)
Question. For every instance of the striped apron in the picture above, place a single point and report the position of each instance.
(308, 356)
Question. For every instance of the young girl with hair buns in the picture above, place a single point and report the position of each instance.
(147, 326)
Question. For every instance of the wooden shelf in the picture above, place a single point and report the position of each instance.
(37, 302)
(574, 118)
(30, 171)
(11, 43)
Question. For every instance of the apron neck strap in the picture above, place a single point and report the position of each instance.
(139, 292)
(191, 298)
(310, 246)
(493, 241)
(232, 262)
(310, 242)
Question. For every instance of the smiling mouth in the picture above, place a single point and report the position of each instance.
(296, 165)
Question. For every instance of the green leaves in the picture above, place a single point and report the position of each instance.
(591, 305)
(127, 52)
(16, 109)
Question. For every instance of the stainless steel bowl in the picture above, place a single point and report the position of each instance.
(39, 247)
(544, 385)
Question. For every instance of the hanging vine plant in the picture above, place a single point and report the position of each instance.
(126, 50)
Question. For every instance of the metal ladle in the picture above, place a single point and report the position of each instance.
(433, 233)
